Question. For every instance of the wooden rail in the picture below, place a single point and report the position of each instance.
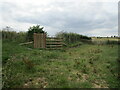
(25, 43)
(54, 43)
(40, 41)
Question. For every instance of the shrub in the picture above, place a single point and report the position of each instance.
(72, 37)
(32, 30)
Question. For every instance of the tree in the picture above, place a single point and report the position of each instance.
(34, 29)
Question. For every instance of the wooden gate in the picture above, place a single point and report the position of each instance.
(40, 41)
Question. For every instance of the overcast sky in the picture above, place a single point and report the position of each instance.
(87, 17)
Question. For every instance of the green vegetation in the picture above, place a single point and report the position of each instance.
(34, 29)
(72, 37)
(21, 36)
(106, 40)
(14, 36)
(86, 66)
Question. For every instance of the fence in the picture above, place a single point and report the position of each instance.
(54, 43)
(41, 41)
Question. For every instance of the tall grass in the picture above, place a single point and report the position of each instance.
(107, 42)
(82, 67)
(13, 36)
(72, 37)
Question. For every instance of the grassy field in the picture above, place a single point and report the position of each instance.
(86, 66)
(105, 39)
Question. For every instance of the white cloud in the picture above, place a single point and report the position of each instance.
(91, 17)
(104, 31)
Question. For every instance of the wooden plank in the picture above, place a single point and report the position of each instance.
(53, 48)
(35, 40)
(53, 38)
(44, 40)
(54, 43)
(40, 41)
(26, 43)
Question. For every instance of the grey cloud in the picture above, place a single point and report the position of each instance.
(73, 18)
(7, 8)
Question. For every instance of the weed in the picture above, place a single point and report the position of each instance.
(75, 68)
(28, 63)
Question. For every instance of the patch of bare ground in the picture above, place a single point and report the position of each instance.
(79, 77)
(97, 83)
(84, 77)
(100, 84)
(36, 83)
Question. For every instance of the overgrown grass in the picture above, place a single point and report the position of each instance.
(10, 49)
(70, 38)
(86, 66)
(13, 36)
(104, 40)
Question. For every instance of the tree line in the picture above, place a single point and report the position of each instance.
(28, 36)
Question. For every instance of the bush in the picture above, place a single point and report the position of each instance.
(32, 30)
(72, 37)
